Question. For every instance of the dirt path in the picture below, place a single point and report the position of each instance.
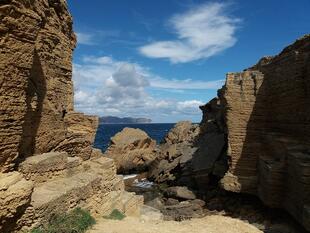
(209, 224)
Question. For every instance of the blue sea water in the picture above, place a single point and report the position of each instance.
(106, 131)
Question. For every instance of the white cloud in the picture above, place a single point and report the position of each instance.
(93, 37)
(202, 32)
(189, 106)
(159, 82)
(84, 38)
(105, 86)
(125, 87)
(105, 60)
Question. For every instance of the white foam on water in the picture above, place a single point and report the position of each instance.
(144, 183)
(125, 177)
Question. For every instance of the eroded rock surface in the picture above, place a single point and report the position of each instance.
(61, 185)
(15, 196)
(44, 167)
(190, 153)
(267, 116)
(258, 128)
(47, 163)
(132, 150)
(80, 135)
(36, 92)
(36, 43)
(174, 153)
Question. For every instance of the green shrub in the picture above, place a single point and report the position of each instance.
(115, 215)
(76, 221)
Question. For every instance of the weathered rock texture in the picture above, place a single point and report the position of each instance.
(40, 134)
(36, 92)
(175, 153)
(257, 131)
(132, 150)
(268, 122)
(62, 184)
(80, 135)
(191, 153)
(15, 194)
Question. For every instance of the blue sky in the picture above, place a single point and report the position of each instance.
(162, 59)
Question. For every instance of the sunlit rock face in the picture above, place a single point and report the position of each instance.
(267, 114)
(36, 92)
(132, 150)
(47, 163)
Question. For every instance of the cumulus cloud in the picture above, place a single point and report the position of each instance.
(202, 32)
(105, 86)
(125, 87)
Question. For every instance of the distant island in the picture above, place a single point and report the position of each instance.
(124, 120)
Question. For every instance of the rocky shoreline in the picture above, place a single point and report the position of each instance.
(179, 203)
(249, 158)
(243, 145)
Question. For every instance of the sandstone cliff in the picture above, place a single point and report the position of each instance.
(45, 147)
(267, 114)
(36, 44)
(257, 131)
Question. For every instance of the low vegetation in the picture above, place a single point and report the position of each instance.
(115, 215)
(75, 221)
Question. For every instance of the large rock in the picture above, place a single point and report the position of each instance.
(180, 192)
(183, 131)
(211, 156)
(44, 167)
(132, 150)
(267, 116)
(36, 92)
(175, 153)
(190, 153)
(63, 183)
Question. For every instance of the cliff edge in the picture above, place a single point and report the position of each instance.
(47, 163)
(267, 109)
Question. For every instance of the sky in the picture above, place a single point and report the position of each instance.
(163, 59)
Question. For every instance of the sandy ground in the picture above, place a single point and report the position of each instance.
(209, 224)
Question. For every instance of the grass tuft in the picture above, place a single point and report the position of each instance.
(76, 221)
(115, 215)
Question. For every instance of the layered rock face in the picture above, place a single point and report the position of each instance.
(267, 109)
(191, 153)
(47, 164)
(80, 135)
(15, 194)
(62, 183)
(257, 131)
(36, 44)
(132, 150)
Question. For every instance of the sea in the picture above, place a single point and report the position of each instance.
(156, 131)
